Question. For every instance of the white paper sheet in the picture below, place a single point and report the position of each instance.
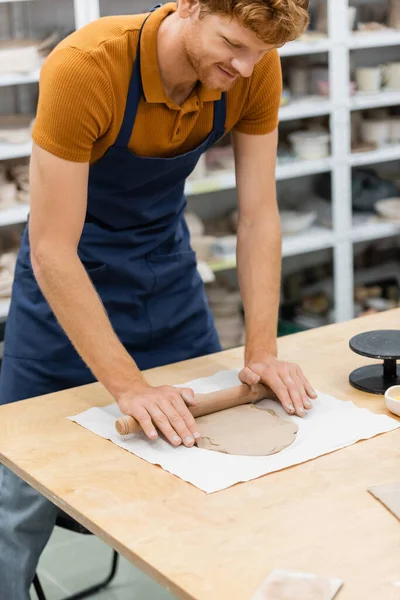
(332, 424)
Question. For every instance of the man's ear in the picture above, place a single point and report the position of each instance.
(188, 8)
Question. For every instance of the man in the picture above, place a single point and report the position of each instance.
(106, 284)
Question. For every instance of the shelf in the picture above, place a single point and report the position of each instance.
(374, 39)
(315, 238)
(13, 216)
(363, 100)
(310, 106)
(300, 168)
(212, 183)
(226, 181)
(4, 308)
(380, 155)
(374, 230)
(311, 47)
(8, 151)
(19, 78)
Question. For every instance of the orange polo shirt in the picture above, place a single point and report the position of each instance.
(84, 86)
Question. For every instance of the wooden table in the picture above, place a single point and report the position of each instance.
(315, 517)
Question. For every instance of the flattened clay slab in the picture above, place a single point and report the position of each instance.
(246, 430)
(389, 495)
(286, 585)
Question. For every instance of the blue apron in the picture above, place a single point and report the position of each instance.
(136, 250)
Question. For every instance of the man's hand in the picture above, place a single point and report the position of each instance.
(285, 379)
(163, 407)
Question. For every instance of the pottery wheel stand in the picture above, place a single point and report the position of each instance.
(382, 345)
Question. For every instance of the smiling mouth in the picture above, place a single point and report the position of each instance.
(227, 73)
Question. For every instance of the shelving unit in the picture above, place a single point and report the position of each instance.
(374, 39)
(385, 154)
(374, 231)
(362, 101)
(337, 46)
(316, 238)
(13, 216)
(19, 78)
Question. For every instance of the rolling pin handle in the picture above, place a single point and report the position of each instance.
(125, 425)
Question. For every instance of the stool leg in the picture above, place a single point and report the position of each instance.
(99, 586)
(38, 588)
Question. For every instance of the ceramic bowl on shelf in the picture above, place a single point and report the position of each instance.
(310, 145)
(15, 129)
(293, 222)
(376, 131)
(389, 208)
(8, 195)
(19, 56)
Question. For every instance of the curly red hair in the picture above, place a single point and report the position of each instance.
(273, 21)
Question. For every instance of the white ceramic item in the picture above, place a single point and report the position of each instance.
(395, 130)
(389, 208)
(15, 129)
(369, 79)
(391, 74)
(298, 81)
(8, 194)
(392, 399)
(352, 13)
(200, 171)
(293, 222)
(202, 245)
(376, 131)
(194, 223)
(19, 56)
(394, 14)
(310, 145)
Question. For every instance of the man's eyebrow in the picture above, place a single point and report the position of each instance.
(233, 42)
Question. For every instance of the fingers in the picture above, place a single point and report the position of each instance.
(290, 391)
(278, 386)
(188, 396)
(311, 393)
(295, 395)
(178, 422)
(165, 409)
(248, 376)
(144, 419)
(164, 425)
(188, 418)
(302, 391)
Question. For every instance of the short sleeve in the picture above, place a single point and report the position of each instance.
(75, 104)
(261, 110)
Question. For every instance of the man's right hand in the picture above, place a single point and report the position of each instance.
(164, 407)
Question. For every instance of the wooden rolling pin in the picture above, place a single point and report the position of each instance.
(207, 403)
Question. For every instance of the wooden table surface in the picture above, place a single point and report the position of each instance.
(316, 517)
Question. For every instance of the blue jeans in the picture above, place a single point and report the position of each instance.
(26, 521)
(26, 517)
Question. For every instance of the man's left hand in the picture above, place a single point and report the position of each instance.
(285, 379)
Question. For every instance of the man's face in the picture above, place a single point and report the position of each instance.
(220, 50)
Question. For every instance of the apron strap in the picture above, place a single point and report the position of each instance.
(219, 116)
(135, 91)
